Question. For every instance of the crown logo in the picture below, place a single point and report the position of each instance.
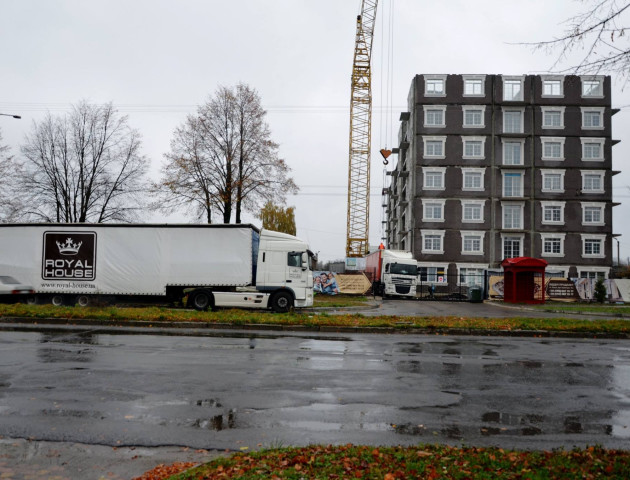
(69, 247)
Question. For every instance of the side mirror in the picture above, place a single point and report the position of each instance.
(304, 261)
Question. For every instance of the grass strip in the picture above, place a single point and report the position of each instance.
(157, 315)
(339, 301)
(609, 309)
(423, 461)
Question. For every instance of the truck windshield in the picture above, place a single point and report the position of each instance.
(403, 269)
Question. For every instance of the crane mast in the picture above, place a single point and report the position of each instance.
(360, 134)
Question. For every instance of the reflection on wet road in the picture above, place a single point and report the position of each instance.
(236, 389)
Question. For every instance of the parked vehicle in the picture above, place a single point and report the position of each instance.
(12, 290)
(209, 265)
(392, 273)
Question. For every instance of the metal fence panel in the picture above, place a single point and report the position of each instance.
(448, 289)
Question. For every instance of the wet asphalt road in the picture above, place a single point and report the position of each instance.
(235, 389)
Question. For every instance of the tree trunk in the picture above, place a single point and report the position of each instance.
(239, 182)
(208, 208)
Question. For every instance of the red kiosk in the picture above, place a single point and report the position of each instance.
(524, 280)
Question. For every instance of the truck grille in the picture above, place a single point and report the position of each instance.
(401, 281)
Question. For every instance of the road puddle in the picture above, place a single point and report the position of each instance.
(217, 422)
(209, 402)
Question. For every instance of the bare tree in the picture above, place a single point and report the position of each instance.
(217, 121)
(85, 166)
(261, 175)
(188, 179)
(10, 172)
(197, 175)
(600, 32)
(223, 160)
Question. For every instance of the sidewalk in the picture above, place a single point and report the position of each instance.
(26, 460)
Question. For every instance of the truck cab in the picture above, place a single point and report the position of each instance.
(393, 273)
(283, 270)
(399, 276)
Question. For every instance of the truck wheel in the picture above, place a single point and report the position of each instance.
(31, 300)
(57, 300)
(282, 302)
(82, 301)
(201, 300)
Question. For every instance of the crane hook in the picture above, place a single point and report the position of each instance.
(386, 153)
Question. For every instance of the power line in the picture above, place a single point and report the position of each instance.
(331, 186)
(384, 108)
(314, 194)
(178, 108)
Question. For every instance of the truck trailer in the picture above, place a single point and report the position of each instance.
(392, 273)
(212, 265)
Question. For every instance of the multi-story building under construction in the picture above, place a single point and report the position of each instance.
(495, 166)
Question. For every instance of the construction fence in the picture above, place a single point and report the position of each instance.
(472, 287)
(477, 287)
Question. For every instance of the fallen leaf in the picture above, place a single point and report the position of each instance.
(165, 471)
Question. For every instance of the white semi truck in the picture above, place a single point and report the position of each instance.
(392, 272)
(213, 265)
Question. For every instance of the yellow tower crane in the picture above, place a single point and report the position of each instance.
(360, 134)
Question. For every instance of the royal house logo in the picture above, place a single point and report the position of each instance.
(69, 256)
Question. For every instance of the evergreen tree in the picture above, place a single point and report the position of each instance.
(600, 292)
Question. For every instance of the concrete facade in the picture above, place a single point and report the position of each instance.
(493, 166)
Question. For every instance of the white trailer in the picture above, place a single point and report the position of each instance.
(213, 265)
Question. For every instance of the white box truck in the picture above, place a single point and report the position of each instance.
(213, 265)
(393, 273)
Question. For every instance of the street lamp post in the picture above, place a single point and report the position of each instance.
(618, 260)
(10, 115)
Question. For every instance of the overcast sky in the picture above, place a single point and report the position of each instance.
(156, 60)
